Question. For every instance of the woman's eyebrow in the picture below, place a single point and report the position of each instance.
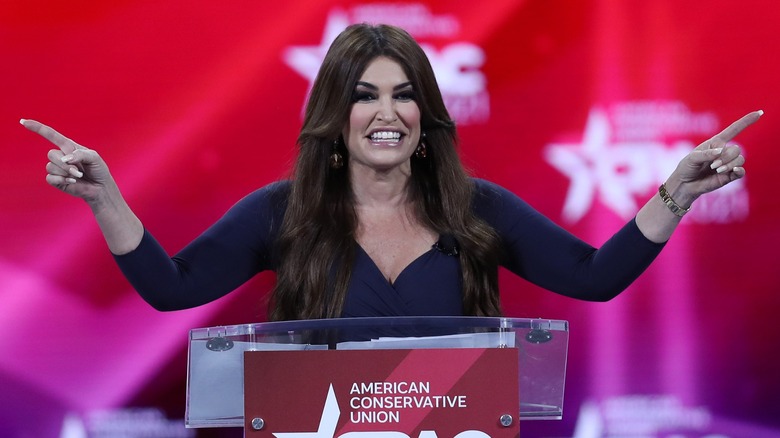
(371, 86)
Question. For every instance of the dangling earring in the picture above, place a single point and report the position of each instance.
(421, 151)
(336, 160)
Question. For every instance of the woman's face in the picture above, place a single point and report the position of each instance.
(384, 124)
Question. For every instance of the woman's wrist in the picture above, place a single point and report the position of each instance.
(673, 206)
(105, 197)
(678, 193)
(121, 228)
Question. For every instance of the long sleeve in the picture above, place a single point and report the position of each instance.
(545, 254)
(227, 254)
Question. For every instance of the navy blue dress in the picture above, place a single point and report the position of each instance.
(241, 244)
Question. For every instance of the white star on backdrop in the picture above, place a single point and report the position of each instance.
(306, 60)
(328, 421)
(616, 172)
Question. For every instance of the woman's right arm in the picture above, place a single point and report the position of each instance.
(81, 172)
(231, 251)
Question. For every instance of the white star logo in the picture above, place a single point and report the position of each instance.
(306, 60)
(617, 172)
(328, 421)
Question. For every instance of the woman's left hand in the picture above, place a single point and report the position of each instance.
(712, 165)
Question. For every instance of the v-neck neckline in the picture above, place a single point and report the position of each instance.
(401, 273)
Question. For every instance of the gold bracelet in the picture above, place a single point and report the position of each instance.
(673, 206)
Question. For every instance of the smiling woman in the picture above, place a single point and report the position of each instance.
(351, 237)
(380, 218)
(383, 129)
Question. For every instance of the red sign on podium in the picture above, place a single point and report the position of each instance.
(419, 393)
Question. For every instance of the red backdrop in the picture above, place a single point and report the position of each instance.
(580, 107)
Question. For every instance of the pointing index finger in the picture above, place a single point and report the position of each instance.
(65, 144)
(735, 128)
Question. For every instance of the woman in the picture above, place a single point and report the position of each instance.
(380, 218)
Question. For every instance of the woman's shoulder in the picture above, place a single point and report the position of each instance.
(274, 189)
(497, 204)
(275, 193)
(488, 191)
(265, 204)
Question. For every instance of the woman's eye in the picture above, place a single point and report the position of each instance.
(405, 95)
(361, 96)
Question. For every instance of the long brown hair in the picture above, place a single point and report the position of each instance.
(317, 240)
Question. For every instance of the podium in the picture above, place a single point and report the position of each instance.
(518, 362)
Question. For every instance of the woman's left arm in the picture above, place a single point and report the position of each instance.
(710, 166)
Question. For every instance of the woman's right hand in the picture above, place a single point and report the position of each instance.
(81, 172)
(73, 168)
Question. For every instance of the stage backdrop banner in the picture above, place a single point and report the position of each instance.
(580, 107)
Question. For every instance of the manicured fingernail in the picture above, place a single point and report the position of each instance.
(22, 121)
(70, 180)
(760, 112)
(721, 169)
(716, 163)
(66, 158)
(75, 172)
(717, 151)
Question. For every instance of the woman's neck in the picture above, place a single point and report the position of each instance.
(378, 190)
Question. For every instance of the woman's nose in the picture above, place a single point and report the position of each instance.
(386, 111)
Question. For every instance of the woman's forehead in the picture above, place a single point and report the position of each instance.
(384, 71)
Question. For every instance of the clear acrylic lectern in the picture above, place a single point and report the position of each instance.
(215, 396)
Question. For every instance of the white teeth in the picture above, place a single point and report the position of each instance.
(386, 135)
